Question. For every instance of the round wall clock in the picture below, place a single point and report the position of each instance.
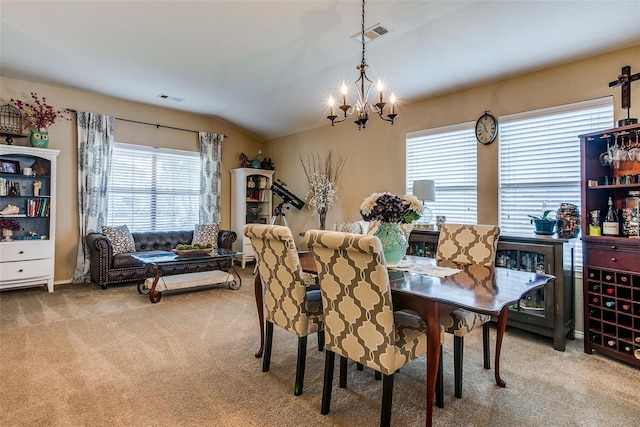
(486, 128)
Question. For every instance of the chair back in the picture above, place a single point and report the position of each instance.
(468, 244)
(285, 293)
(356, 298)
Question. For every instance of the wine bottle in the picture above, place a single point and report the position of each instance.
(610, 225)
(610, 304)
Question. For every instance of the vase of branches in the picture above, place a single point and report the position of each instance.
(322, 175)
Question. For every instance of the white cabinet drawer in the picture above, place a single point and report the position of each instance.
(247, 249)
(25, 270)
(25, 250)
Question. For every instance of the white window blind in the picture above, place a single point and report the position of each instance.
(539, 157)
(153, 189)
(446, 155)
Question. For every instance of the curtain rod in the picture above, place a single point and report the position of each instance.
(149, 124)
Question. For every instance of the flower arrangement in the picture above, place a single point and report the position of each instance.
(322, 177)
(38, 115)
(387, 207)
(9, 224)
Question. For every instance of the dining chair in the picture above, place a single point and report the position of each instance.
(288, 302)
(359, 320)
(465, 244)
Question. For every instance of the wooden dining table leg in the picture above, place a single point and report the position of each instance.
(501, 327)
(431, 316)
(257, 287)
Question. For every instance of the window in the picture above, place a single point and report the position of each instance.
(539, 157)
(446, 155)
(153, 189)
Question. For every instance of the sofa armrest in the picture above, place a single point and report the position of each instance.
(226, 239)
(101, 257)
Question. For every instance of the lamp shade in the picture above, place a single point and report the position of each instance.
(425, 190)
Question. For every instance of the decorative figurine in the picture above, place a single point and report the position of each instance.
(37, 185)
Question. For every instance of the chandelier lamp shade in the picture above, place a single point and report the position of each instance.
(425, 191)
(362, 106)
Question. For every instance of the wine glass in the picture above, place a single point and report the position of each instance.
(605, 158)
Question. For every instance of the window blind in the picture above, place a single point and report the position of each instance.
(153, 189)
(539, 160)
(446, 155)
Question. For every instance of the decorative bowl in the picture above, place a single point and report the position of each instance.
(254, 210)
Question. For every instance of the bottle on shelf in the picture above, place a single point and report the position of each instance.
(611, 225)
(610, 304)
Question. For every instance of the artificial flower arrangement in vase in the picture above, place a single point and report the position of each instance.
(8, 226)
(322, 177)
(391, 211)
(38, 117)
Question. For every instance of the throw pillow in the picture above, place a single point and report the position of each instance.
(121, 239)
(206, 233)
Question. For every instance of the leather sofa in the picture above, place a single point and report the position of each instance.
(107, 269)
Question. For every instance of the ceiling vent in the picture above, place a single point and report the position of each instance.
(371, 33)
(172, 98)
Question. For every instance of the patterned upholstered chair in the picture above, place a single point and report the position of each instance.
(359, 320)
(288, 302)
(467, 245)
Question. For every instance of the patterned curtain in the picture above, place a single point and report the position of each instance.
(95, 141)
(210, 175)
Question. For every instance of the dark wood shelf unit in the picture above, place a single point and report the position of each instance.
(611, 281)
(549, 311)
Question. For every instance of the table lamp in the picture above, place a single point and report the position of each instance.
(425, 191)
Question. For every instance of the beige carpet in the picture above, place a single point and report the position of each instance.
(82, 356)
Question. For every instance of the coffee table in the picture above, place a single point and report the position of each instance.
(219, 260)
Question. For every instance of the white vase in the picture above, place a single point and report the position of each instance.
(6, 234)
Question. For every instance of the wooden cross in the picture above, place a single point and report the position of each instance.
(624, 80)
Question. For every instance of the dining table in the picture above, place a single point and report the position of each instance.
(431, 288)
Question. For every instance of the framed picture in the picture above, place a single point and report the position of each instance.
(9, 166)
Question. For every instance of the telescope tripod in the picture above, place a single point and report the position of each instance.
(278, 217)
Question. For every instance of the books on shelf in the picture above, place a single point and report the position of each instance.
(38, 207)
(257, 195)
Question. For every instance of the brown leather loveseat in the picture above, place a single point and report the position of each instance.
(107, 269)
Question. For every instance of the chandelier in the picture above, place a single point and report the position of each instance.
(362, 106)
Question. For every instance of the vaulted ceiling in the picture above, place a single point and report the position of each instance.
(269, 66)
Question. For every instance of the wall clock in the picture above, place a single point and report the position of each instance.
(486, 128)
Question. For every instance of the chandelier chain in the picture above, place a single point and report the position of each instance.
(363, 63)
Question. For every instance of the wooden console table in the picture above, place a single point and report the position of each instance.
(549, 311)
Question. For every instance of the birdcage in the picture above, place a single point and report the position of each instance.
(10, 122)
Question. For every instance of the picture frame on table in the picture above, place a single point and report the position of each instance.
(9, 166)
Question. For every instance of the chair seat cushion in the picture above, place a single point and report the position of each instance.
(461, 321)
(314, 311)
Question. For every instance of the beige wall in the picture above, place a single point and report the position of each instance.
(63, 137)
(376, 156)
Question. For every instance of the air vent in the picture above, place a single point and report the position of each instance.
(371, 33)
(171, 98)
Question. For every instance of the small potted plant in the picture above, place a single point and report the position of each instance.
(544, 225)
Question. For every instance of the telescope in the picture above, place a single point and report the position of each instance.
(287, 197)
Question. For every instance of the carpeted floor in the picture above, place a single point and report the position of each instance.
(82, 356)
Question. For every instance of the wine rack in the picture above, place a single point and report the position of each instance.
(613, 309)
(611, 283)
